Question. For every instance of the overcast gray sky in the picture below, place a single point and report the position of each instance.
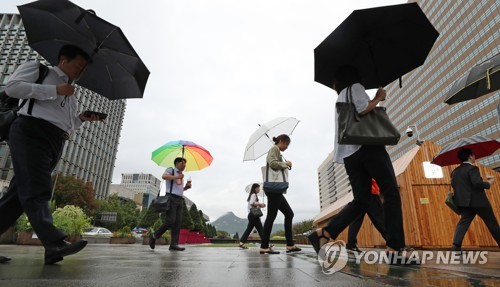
(218, 69)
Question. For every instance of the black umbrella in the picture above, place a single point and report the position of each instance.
(478, 81)
(384, 43)
(116, 71)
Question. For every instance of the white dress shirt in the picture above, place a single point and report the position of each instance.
(47, 104)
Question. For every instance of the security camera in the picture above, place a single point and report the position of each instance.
(409, 132)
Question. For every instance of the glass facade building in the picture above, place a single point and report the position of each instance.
(90, 153)
(469, 35)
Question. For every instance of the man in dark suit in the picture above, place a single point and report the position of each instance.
(471, 198)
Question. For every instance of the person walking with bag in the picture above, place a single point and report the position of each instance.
(275, 199)
(174, 179)
(254, 214)
(36, 141)
(471, 199)
(362, 163)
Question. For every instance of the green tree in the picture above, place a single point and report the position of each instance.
(148, 218)
(204, 228)
(223, 234)
(70, 190)
(186, 223)
(127, 213)
(302, 227)
(195, 217)
(236, 236)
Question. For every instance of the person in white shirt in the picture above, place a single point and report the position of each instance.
(253, 220)
(174, 179)
(36, 140)
(362, 163)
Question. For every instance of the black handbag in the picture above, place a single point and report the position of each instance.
(256, 211)
(162, 203)
(10, 106)
(374, 128)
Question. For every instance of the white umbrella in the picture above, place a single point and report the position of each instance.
(261, 140)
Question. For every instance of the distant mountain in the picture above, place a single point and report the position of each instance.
(232, 224)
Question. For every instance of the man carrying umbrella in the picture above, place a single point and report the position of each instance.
(471, 198)
(174, 178)
(36, 141)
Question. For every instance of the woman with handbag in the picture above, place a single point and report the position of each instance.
(275, 199)
(254, 214)
(362, 163)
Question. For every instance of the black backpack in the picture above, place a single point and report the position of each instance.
(10, 106)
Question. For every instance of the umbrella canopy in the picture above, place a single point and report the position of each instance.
(261, 140)
(383, 43)
(248, 187)
(197, 157)
(116, 71)
(478, 81)
(480, 146)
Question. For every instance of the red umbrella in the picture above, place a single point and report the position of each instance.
(480, 146)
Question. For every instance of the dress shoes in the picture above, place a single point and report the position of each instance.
(4, 259)
(176, 248)
(352, 247)
(152, 241)
(55, 252)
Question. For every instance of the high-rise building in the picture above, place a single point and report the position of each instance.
(333, 182)
(90, 153)
(141, 183)
(469, 35)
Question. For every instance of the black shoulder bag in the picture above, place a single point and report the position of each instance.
(256, 211)
(162, 203)
(374, 128)
(10, 106)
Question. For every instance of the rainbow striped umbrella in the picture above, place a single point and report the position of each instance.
(196, 156)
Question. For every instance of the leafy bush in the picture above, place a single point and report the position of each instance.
(71, 219)
(23, 224)
(125, 232)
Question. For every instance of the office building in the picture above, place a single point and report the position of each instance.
(469, 35)
(90, 152)
(146, 184)
(333, 182)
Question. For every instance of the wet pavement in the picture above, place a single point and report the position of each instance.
(137, 265)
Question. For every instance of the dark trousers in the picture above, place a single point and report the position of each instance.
(253, 221)
(367, 163)
(275, 202)
(375, 212)
(36, 147)
(173, 219)
(467, 214)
